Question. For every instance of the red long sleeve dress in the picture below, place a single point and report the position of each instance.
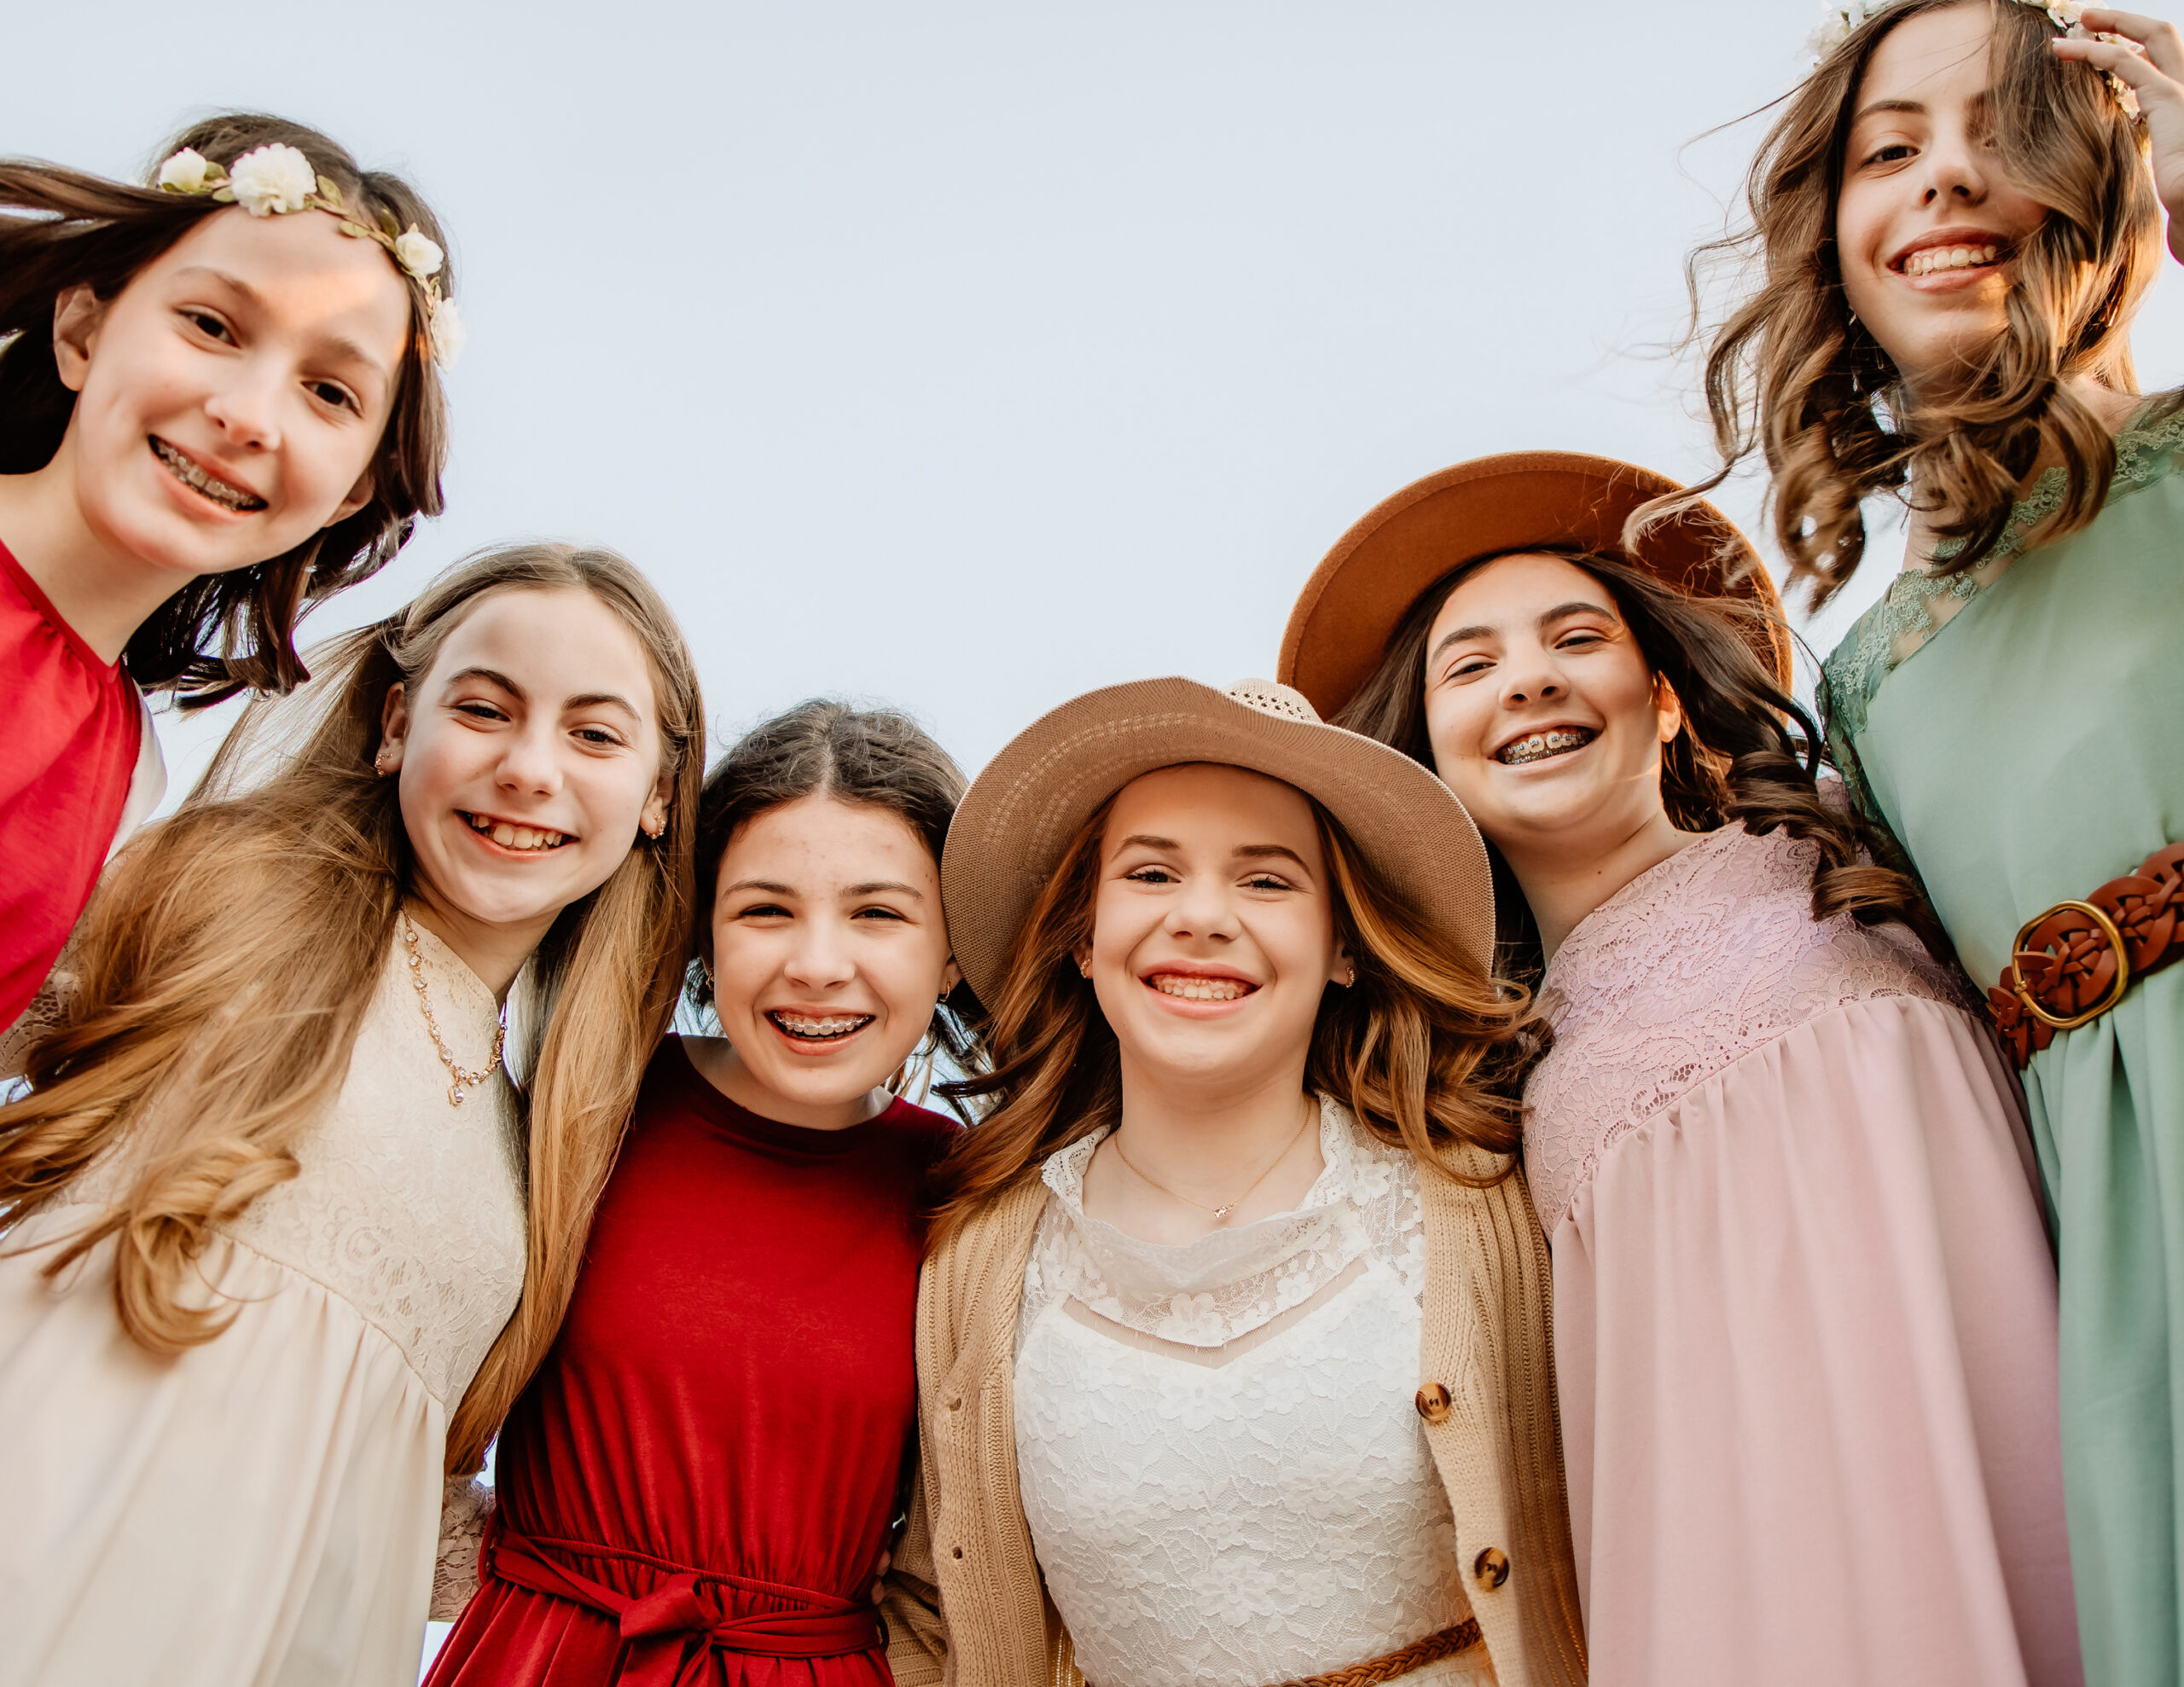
(696, 1487)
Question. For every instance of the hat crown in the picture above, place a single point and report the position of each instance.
(1268, 698)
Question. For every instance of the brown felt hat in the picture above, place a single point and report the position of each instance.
(1017, 818)
(1521, 500)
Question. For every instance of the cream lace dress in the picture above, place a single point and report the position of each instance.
(262, 1511)
(1226, 1479)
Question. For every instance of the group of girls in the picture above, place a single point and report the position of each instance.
(1476, 1161)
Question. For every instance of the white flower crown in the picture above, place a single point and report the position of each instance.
(2065, 14)
(277, 179)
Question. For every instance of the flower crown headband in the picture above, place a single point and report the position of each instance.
(1842, 19)
(277, 179)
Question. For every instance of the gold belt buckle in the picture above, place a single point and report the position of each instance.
(2108, 930)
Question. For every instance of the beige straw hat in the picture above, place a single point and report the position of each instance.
(1519, 500)
(1021, 814)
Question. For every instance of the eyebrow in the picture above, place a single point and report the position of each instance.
(873, 887)
(1916, 108)
(339, 344)
(590, 699)
(771, 887)
(1561, 612)
(1250, 852)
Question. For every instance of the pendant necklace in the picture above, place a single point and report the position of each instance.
(463, 1081)
(1115, 1138)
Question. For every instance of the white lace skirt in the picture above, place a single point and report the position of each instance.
(259, 1511)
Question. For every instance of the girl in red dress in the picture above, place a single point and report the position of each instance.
(698, 1485)
(214, 412)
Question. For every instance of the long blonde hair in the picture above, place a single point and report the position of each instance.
(233, 949)
(1792, 375)
(1423, 1047)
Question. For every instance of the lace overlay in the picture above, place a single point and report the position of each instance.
(1918, 603)
(466, 1507)
(1224, 1476)
(1688, 968)
(409, 1208)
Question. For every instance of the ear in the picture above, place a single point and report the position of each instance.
(394, 729)
(78, 313)
(950, 976)
(1342, 969)
(653, 817)
(359, 495)
(1668, 709)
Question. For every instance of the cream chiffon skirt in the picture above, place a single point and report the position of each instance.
(261, 1511)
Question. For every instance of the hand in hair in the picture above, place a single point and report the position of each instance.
(2150, 61)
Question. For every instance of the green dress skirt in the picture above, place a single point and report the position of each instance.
(2025, 749)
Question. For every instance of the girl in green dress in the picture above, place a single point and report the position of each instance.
(1955, 220)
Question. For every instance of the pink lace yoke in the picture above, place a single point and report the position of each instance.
(1687, 968)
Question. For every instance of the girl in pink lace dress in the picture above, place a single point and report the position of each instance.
(1804, 1304)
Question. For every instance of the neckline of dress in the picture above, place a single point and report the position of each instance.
(1583, 933)
(460, 976)
(732, 1118)
(1339, 1149)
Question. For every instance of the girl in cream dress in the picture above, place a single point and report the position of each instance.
(284, 1240)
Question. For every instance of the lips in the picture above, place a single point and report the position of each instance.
(816, 1027)
(533, 839)
(1540, 746)
(203, 482)
(1197, 987)
(1946, 251)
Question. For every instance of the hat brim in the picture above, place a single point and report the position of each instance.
(1017, 818)
(1521, 500)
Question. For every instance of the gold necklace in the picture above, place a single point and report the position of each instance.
(463, 1081)
(1115, 1138)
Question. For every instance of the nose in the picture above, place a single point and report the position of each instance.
(246, 406)
(1956, 168)
(1532, 676)
(530, 765)
(819, 958)
(1204, 909)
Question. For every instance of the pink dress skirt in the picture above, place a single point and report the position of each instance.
(1804, 1304)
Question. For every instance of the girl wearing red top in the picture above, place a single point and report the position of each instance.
(698, 1485)
(213, 414)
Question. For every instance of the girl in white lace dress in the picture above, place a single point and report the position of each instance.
(1804, 1308)
(1232, 1350)
(268, 1272)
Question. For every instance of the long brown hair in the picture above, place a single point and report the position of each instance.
(1424, 1048)
(1789, 374)
(880, 758)
(233, 949)
(60, 229)
(1733, 759)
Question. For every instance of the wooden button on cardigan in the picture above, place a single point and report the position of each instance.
(966, 1604)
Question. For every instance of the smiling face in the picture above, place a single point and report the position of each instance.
(1542, 714)
(1927, 223)
(529, 756)
(828, 952)
(232, 396)
(1213, 934)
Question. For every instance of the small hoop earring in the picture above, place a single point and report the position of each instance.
(655, 833)
(1083, 969)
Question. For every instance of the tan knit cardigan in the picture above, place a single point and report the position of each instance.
(966, 1604)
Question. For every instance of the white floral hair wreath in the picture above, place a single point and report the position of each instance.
(1841, 20)
(278, 178)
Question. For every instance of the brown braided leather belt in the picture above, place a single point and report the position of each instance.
(2074, 963)
(1395, 1665)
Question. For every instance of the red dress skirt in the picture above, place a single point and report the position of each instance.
(696, 1487)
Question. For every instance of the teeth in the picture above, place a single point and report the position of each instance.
(819, 1031)
(1540, 745)
(1936, 258)
(1192, 989)
(190, 475)
(516, 837)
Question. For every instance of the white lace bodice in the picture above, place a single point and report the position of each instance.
(1688, 968)
(408, 1207)
(1226, 1479)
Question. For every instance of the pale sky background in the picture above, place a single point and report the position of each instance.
(968, 356)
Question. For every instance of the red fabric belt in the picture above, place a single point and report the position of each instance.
(674, 1622)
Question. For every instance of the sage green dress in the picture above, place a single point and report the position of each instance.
(2020, 730)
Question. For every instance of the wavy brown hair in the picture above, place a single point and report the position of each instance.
(1789, 376)
(1734, 760)
(1424, 1048)
(233, 949)
(61, 228)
